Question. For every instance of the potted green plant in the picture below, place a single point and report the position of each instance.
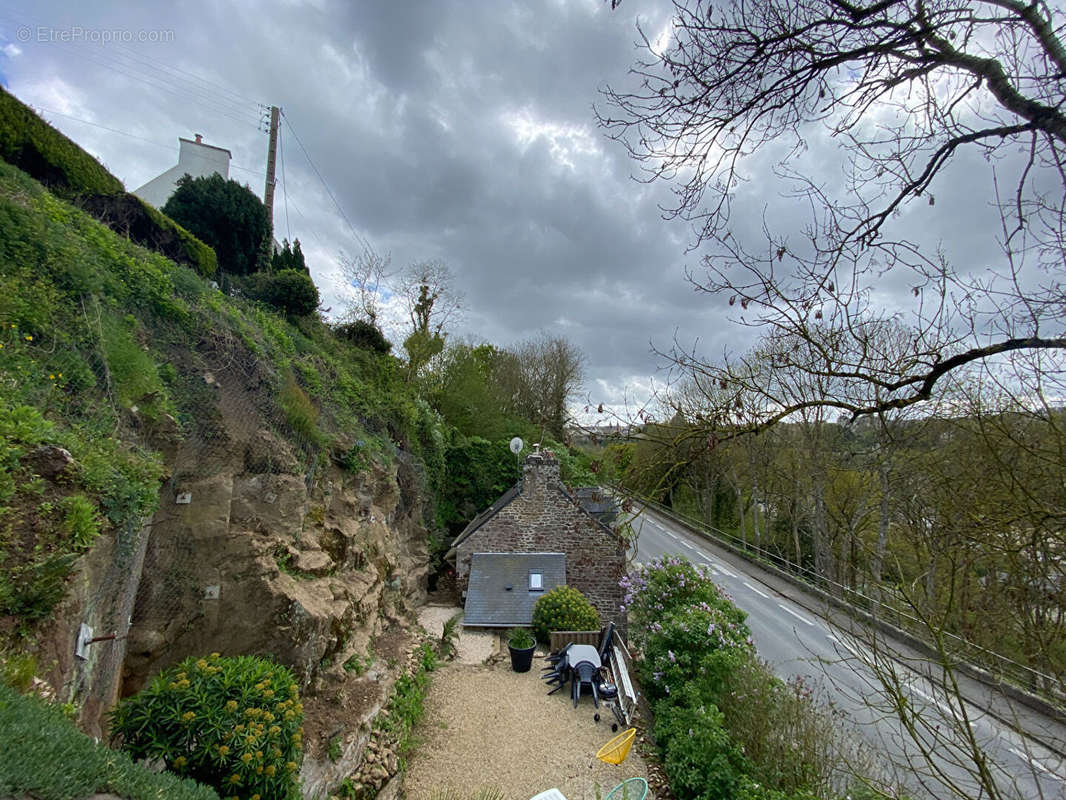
(521, 644)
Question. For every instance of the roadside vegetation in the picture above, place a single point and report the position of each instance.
(726, 728)
(949, 526)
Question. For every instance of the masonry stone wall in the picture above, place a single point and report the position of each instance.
(543, 518)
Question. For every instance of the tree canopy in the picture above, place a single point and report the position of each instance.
(225, 215)
(904, 88)
(291, 256)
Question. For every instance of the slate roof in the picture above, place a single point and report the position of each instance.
(490, 604)
(484, 517)
(598, 503)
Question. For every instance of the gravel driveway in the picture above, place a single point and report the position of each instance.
(486, 726)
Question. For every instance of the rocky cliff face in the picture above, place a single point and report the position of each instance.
(255, 550)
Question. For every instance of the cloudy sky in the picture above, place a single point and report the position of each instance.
(459, 130)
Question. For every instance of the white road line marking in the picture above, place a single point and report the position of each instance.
(861, 653)
(797, 616)
(757, 591)
(1035, 763)
(846, 645)
(690, 547)
(719, 567)
(944, 706)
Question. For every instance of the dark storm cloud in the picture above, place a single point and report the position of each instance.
(453, 129)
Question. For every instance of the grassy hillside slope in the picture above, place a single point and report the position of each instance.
(103, 347)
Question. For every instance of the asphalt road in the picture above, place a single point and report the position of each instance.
(798, 640)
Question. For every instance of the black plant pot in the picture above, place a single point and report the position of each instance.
(521, 660)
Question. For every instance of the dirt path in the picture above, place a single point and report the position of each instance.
(486, 726)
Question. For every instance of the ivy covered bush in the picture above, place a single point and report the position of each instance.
(563, 608)
(231, 723)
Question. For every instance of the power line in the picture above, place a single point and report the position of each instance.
(205, 94)
(215, 99)
(105, 127)
(358, 237)
(209, 84)
(171, 148)
(284, 185)
(178, 91)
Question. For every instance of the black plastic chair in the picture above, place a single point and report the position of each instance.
(584, 673)
(605, 642)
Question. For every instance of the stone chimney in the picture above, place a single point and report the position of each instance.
(539, 471)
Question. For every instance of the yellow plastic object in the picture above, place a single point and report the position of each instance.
(629, 789)
(616, 750)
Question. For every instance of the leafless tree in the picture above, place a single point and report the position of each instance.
(428, 294)
(366, 274)
(542, 376)
(903, 88)
(427, 290)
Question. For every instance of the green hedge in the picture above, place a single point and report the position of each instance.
(34, 146)
(129, 216)
(43, 755)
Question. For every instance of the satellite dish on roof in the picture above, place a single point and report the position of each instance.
(516, 445)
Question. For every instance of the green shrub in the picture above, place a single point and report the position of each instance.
(42, 755)
(700, 759)
(38, 588)
(290, 291)
(225, 216)
(363, 334)
(17, 670)
(300, 412)
(787, 742)
(695, 641)
(563, 608)
(232, 723)
(81, 523)
(726, 727)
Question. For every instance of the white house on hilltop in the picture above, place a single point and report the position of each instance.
(196, 159)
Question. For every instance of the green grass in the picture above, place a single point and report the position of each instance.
(41, 753)
(92, 325)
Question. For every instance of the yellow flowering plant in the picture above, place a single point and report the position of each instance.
(200, 718)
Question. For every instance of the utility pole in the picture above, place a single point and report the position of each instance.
(272, 157)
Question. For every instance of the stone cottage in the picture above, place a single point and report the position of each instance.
(540, 527)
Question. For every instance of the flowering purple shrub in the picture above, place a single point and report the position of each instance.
(669, 584)
(699, 644)
(727, 728)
